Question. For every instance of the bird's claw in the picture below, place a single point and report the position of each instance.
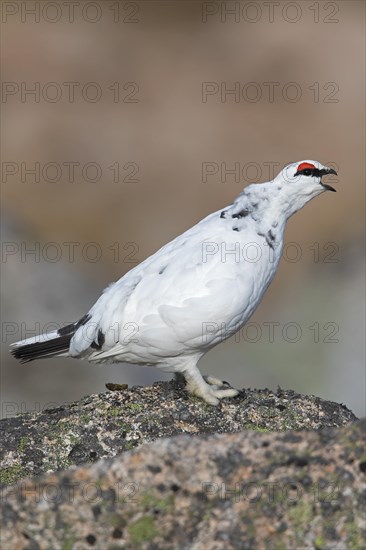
(217, 389)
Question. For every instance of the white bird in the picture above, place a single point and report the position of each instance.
(195, 291)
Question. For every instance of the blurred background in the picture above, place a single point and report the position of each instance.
(125, 123)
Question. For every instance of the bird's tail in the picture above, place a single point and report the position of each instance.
(52, 344)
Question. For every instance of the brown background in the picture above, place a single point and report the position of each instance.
(169, 52)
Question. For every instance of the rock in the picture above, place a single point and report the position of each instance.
(218, 489)
(244, 490)
(110, 423)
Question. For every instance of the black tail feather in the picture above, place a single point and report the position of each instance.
(38, 350)
(49, 348)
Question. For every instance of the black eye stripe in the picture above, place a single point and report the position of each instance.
(314, 172)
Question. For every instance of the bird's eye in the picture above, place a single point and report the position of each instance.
(306, 172)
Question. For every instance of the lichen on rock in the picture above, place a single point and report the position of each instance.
(148, 468)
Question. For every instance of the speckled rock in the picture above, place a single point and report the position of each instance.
(110, 423)
(246, 490)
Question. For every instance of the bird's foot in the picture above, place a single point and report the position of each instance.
(213, 381)
(212, 389)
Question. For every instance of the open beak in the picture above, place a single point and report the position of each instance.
(324, 172)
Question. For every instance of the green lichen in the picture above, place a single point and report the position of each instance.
(205, 407)
(114, 411)
(208, 514)
(293, 421)
(73, 438)
(279, 546)
(68, 542)
(116, 520)
(60, 433)
(355, 539)
(64, 463)
(130, 445)
(135, 407)
(319, 542)
(143, 530)
(64, 428)
(85, 418)
(162, 504)
(255, 428)
(300, 516)
(23, 444)
(11, 474)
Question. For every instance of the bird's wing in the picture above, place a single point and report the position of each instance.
(173, 296)
(101, 317)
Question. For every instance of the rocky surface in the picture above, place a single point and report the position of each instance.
(110, 423)
(245, 490)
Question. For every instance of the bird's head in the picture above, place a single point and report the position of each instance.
(306, 176)
(300, 182)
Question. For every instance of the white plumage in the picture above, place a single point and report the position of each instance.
(195, 291)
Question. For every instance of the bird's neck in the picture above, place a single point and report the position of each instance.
(267, 209)
(270, 204)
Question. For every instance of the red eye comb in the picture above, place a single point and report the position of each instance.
(305, 165)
